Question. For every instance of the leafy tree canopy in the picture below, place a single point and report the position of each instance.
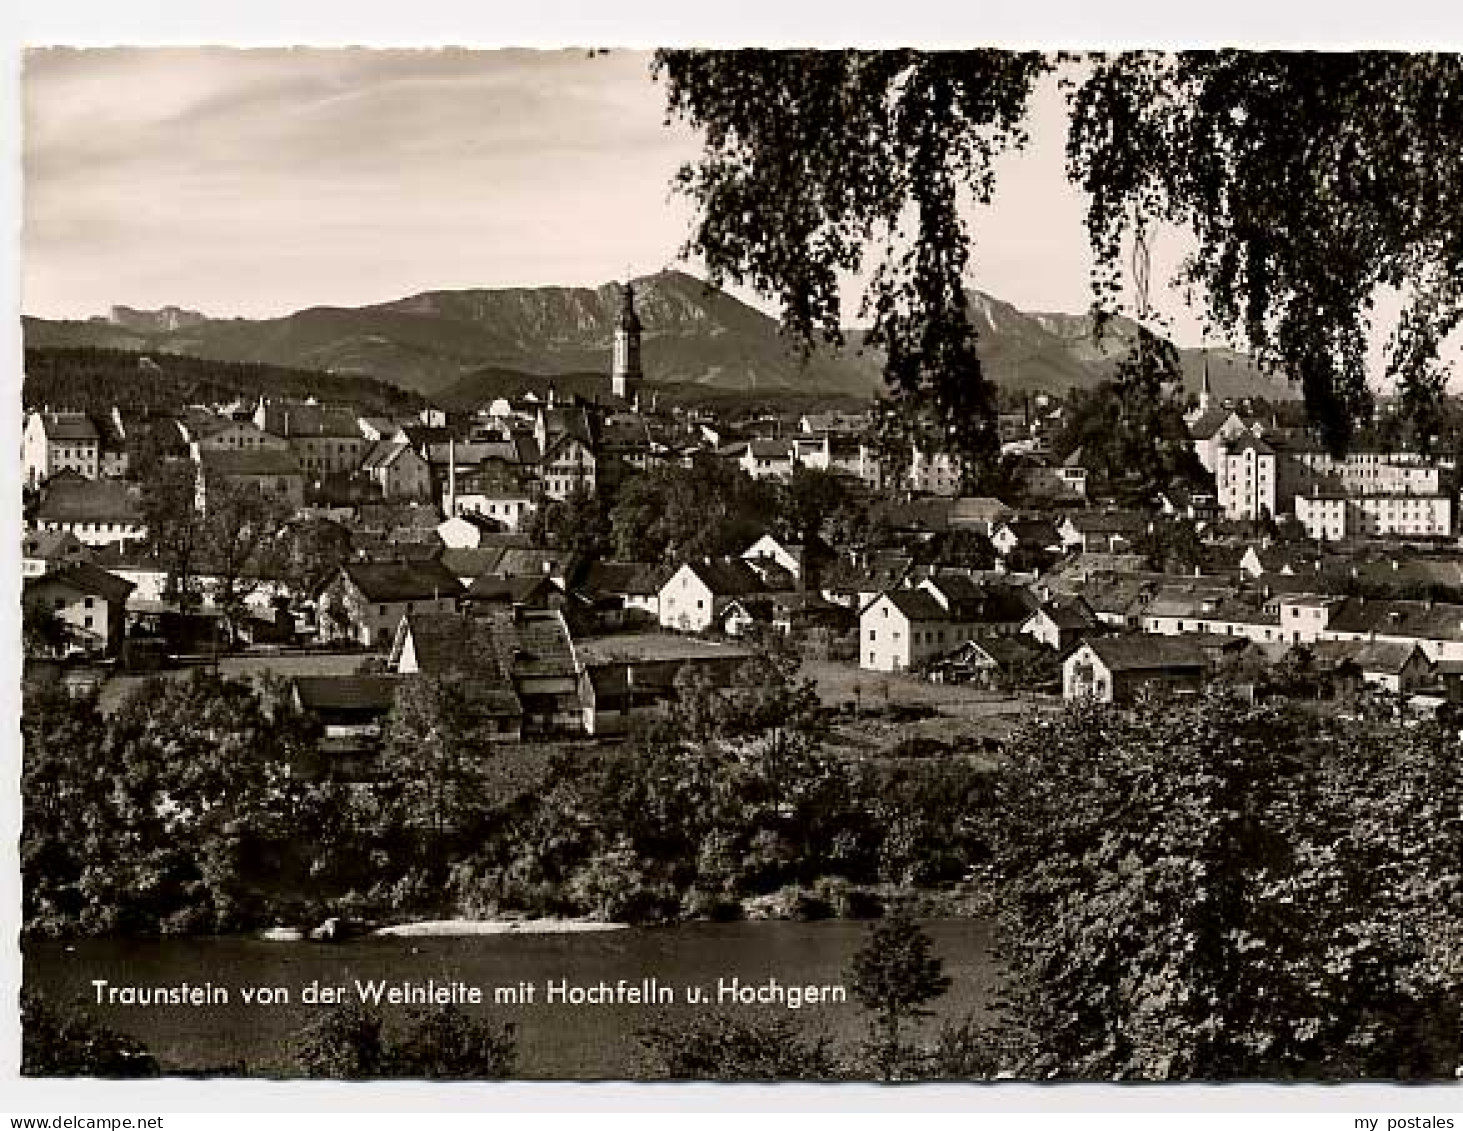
(1309, 181)
(57, 1042)
(1227, 892)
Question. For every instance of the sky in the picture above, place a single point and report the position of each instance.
(254, 183)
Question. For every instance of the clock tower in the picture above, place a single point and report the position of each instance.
(625, 374)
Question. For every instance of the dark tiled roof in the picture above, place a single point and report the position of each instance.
(48, 544)
(249, 461)
(537, 643)
(417, 580)
(972, 602)
(573, 422)
(346, 692)
(1109, 522)
(511, 590)
(1210, 423)
(1142, 652)
(311, 420)
(1421, 620)
(1070, 614)
(383, 453)
(1034, 531)
(977, 509)
(641, 579)
(476, 451)
(1249, 441)
(531, 643)
(86, 578)
(625, 434)
(727, 577)
(916, 604)
(1370, 656)
(388, 516)
(89, 500)
(529, 561)
(71, 426)
(471, 562)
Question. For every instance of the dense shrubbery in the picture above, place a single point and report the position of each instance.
(185, 812)
(1222, 891)
(56, 1042)
(352, 1042)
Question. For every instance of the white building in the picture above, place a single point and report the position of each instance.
(1363, 472)
(934, 473)
(1245, 474)
(59, 441)
(694, 597)
(768, 459)
(903, 629)
(1333, 515)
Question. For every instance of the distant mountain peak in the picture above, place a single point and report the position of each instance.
(455, 344)
(165, 320)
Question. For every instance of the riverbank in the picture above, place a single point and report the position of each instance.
(466, 928)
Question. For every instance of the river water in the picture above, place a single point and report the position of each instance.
(555, 1040)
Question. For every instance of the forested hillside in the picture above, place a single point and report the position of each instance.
(93, 380)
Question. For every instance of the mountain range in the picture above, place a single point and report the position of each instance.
(461, 347)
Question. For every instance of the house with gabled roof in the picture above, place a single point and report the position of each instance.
(1031, 534)
(397, 470)
(1392, 666)
(904, 629)
(1116, 669)
(42, 551)
(695, 595)
(767, 459)
(803, 561)
(268, 470)
(527, 653)
(618, 593)
(980, 608)
(351, 711)
(1437, 626)
(1062, 621)
(470, 652)
(1210, 430)
(99, 512)
(1246, 474)
(52, 442)
(90, 603)
(324, 438)
(1199, 605)
(566, 437)
(487, 593)
(363, 602)
(983, 662)
(1108, 531)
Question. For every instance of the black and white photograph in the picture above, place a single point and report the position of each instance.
(863, 565)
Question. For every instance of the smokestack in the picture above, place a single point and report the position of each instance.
(451, 476)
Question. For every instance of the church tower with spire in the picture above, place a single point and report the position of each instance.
(625, 374)
(1206, 396)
